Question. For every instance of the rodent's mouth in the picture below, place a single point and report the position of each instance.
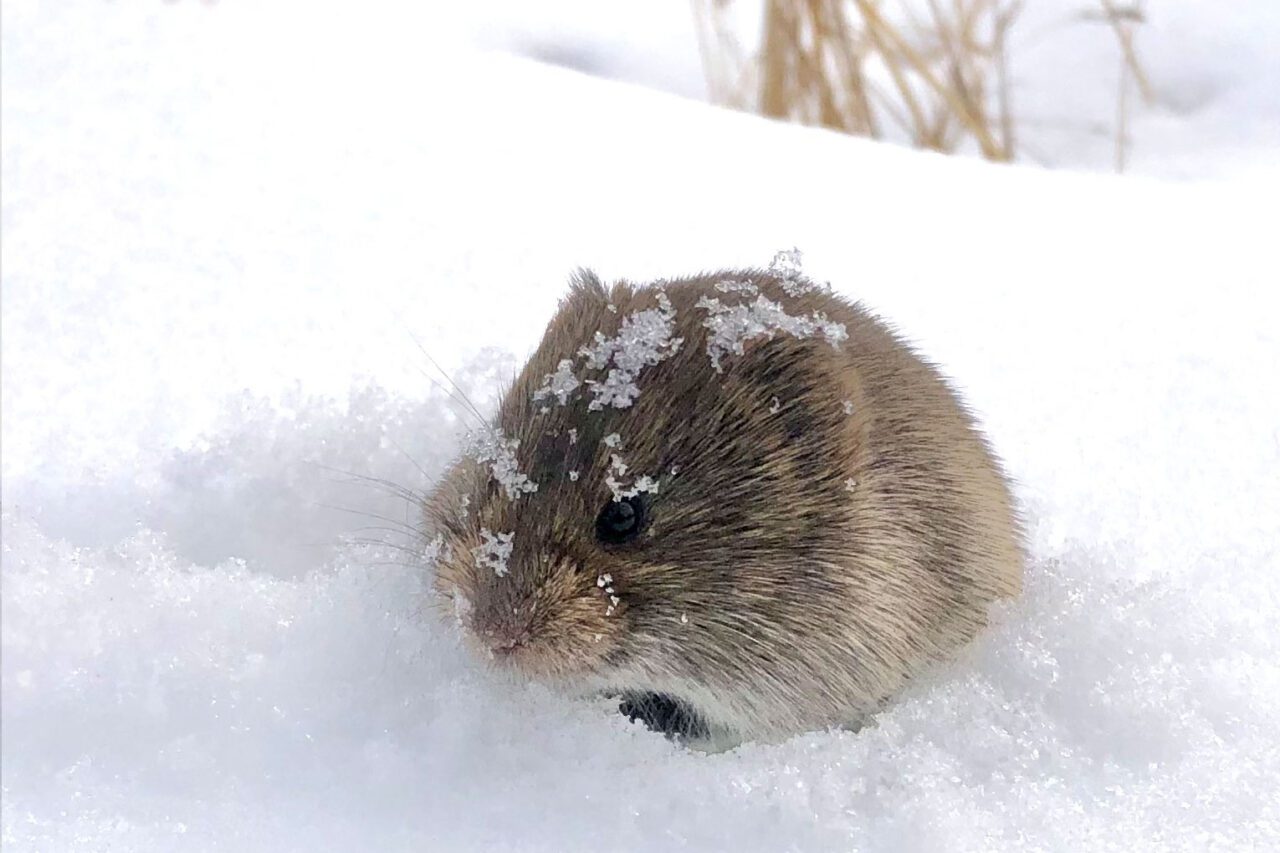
(534, 658)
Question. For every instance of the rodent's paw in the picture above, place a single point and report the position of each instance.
(664, 714)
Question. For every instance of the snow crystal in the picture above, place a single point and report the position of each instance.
(787, 267)
(644, 339)
(612, 439)
(462, 609)
(573, 436)
(775, 406)
(435, 551)
(618, 468)
(645, 483)
(494, 551)
(730, 285)
(851, 485)
(573, 476)
(732, 326)
(490, 446)
(559, 384)
(848, 407)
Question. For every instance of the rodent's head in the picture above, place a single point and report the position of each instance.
(618, 525)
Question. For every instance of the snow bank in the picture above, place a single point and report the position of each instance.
(215, 271)
(1213, 67)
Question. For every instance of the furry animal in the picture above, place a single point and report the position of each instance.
(736, 500)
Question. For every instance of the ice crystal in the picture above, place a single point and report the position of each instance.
(786, 266)
(731, 285)
(435, 551)
(620, 490)
(731, 326)
(560, 384)
(645, 338)
(494, 551)
(500, 453)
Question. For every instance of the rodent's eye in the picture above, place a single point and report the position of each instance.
(621, 521)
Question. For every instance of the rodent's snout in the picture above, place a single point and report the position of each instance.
(503, 637)
(561, 624)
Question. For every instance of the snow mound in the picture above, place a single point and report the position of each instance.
(151, 702)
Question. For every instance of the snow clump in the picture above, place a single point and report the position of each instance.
(560, 384)
(491, 447)
(731, 326)
(494, 551)
(786, 266)
(620, 490)
(645, 338)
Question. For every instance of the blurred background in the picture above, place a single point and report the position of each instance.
(1176, 88)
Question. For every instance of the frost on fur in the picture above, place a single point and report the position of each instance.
(730, 327)
(620, 490)
(560, 384)
(645, 338)
(786, 266)
(435, 551)
(730, 285)
(500, 453)
(494, 551)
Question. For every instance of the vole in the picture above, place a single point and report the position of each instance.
(737, 500)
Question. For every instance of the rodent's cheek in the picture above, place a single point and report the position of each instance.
(578, 634)
(453, 599)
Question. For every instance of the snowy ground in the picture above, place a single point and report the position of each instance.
(216, 264)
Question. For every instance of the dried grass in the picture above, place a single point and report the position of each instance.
(935, 71)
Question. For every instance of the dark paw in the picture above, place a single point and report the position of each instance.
(663, 714)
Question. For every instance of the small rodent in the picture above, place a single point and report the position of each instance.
(736, 500)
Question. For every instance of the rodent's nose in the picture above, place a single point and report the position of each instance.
(507, 646)
(503, 637)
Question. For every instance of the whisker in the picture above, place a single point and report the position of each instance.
(379, 543)
(448, 379)
(404, 526)
(390, 486)
(414, 462)
(467, 408)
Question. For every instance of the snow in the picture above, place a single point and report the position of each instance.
(560, 384)
(217, 265)
(732, 326)
(645, 338)
(491, 446)
(1213, 67)
(494, 551)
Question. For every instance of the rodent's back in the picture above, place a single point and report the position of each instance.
(821, 518)
(938, 535)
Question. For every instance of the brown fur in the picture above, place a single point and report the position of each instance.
(766, 595)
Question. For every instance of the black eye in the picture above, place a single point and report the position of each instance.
(620, 521)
